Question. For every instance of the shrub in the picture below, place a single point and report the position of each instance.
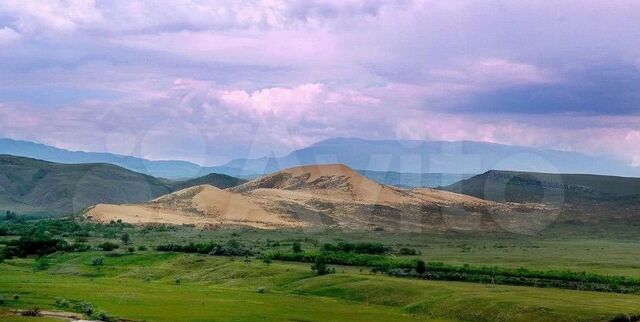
(296, 247)
(31, 312)
(407, 251)
(262, 290)
(78, 247)
(267, 260)
(61, 303)
(16, 297)
(83, 307)
(178, 281)
(131, 250)
(108, 246)
(421, 267)
(81, 239)
(626, 318)
(40, 264)
(3, 300)
(357, 248)
(103, 316)
(320, 265)
(142, 248)
(97, 261)
(231, 248)
(30, 245)
(126, 238)
(10, 215)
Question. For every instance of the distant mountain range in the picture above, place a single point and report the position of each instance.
(404, 163)
(436, 157)
(31, 186)
(170, 169)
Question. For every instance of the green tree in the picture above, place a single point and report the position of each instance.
(10, 215)
(320, 265)
(421, 267)
(296, 247)
(126, 238)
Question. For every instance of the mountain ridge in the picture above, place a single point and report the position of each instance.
(416, 156)
(405, 163)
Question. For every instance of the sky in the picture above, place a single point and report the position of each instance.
(208, 81)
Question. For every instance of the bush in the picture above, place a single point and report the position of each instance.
(28, 245)
(84, 308)
(103, 316)
(61, 303)
(262, 290)
(40, 264)
(97, 261)
(78, 247)
(626, 318)
(131, 250)
(3, 300)
(31, 312)
(421, 267)
(296, 247)
(16, 297)
(358, 248)
(407, 251)
(142, 248)
(231, 248)
(108, 246)
(10, 215)
(126, 238)
(320, 266)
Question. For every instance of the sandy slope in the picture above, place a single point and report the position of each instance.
(203, 205)
(312, 197)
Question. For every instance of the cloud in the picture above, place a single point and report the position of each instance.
(8, 35)
(293, 104)
(81, 73)
(49, 17)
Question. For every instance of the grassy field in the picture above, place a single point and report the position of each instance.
(142, 286)
(588, 251)
(160, 286)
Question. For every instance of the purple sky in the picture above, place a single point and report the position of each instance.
(212, 80)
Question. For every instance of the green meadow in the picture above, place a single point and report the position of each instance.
(137, 283)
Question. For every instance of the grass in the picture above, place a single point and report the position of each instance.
(556, 250)
(143, 286)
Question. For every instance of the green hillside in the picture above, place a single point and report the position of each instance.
(532, 186)
(578, 197)
(30, 186)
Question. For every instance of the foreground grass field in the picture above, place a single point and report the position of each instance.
(155, 286)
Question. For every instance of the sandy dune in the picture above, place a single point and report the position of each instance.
(203, 205)
(312, 197)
